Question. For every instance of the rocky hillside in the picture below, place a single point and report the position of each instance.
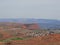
(24, 34)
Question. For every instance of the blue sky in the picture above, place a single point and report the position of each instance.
(42, 9)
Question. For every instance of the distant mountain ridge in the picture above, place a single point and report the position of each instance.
(25, 20)
(43, 23)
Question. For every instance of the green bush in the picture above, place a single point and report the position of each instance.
(17, 38)
(10, 39)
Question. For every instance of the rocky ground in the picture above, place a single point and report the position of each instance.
(27, 34)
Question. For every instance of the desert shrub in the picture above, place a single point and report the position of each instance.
(17, 38)
(15, 34)
(10, 39)
(8, 43)
(1, 35)
(5, 40)
(17, 27)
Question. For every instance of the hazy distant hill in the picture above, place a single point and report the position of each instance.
(43, 23)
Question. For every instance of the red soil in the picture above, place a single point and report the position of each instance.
(53, 39)
(30, 26)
